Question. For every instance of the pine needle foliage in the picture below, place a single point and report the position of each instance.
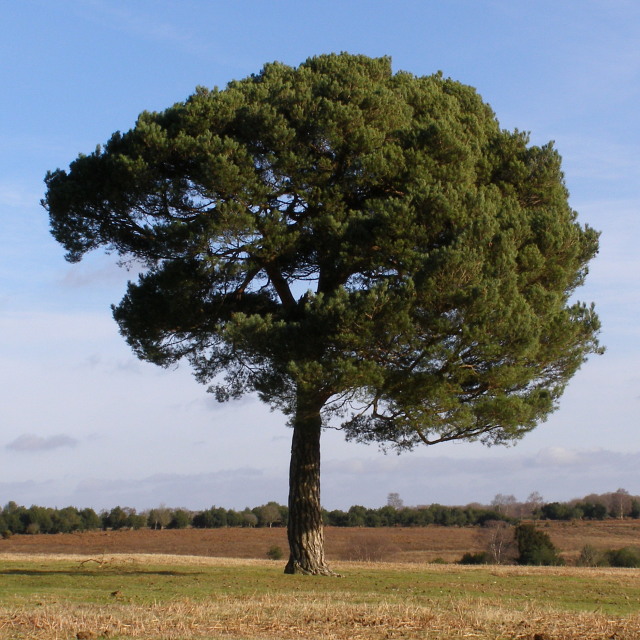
(351, 243)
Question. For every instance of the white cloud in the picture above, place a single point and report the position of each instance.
(561, 457)
(30, 443)
(557, 473)
(229, 488)
(84, 275)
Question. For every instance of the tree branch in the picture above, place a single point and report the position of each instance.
(281, 286)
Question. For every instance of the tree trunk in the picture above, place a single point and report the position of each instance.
(304, 529)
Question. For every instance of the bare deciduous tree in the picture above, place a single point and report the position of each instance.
(619, 503)
(159, 518)
(533, 503)
(505, 504)
(500, 543)
(394, 500)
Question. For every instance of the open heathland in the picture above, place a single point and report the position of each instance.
(393, 544)
(184, 597)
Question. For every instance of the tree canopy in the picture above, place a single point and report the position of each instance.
(357, 246)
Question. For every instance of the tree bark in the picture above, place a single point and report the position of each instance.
(304, 528)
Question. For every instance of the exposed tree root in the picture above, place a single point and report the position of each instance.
(295, 568)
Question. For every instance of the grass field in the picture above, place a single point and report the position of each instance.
(217, 584)
(396, 544)
(182, 597)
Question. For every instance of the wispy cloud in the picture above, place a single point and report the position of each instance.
(98, 269)
(230, 488)
(556, 472)
(549, 457)
(30, 443)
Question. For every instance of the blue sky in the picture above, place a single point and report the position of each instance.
(84, 423)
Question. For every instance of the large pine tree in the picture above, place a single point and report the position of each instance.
(354, 245)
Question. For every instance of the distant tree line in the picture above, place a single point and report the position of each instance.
(389, 516)
(32, 520)
(17, 519)
(35, 519)
(615, 504)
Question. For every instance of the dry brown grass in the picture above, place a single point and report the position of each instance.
(143, 559)
(571, 537)
(316, 616)
(397, 544)
(227, 542)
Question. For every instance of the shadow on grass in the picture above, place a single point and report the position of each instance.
(111, 571)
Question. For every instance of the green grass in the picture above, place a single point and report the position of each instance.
(139, 589)
(134, 581)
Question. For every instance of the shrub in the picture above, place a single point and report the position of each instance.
(591, 557)
(544, 556)
(625, 557)
(535, 547)
(481, 557)
(275, 552)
